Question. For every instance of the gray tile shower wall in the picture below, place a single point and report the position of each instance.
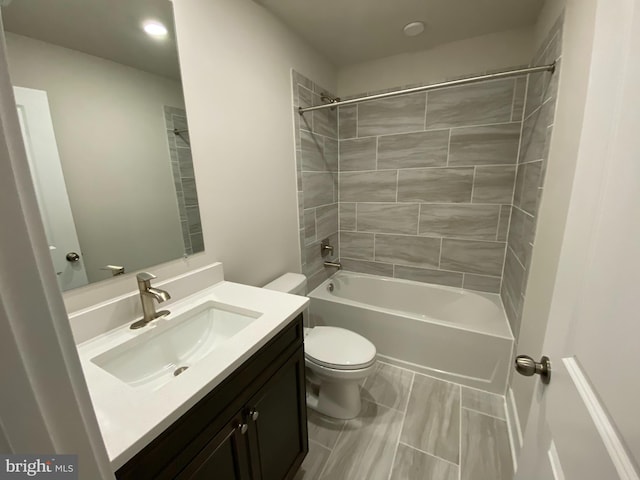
(316, 140)
(426, 181)
(538, 120)
(184, 179)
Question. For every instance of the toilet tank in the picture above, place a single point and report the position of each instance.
(294, 283)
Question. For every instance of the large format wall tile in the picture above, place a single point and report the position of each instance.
(407, 250)
(326, 220)
(325, 122)
(347, 213)
(410, 150)
(312, 150)
(503, 226)
(530, 182)
(466, 221)
(392, 115)
(309, 220)
(358, 154)
(494, 184)
(387, 218)
(433, 418)
(372, 268)
(435, 185)
(356, 245)
(512, 284)
(521, 234)
(347, 121)
(482, 283)
(331, 154)
(376, 186)
(488, 102)
(427, 275)
(318, 188)
(519, 99)
(535, 133)
(470, 256)
(488, 145)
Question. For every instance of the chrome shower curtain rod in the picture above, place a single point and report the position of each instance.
(452, 83)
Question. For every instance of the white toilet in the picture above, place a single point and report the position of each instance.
(337, 360)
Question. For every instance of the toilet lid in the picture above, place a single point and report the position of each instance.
(338, 348)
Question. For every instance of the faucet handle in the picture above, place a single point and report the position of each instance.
(145, 277)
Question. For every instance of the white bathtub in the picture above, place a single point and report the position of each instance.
(449, 333)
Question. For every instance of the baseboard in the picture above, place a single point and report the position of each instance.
(513, 424)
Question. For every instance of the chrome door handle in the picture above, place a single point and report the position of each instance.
(254, 414)
(243, 428)
(72, 257)
(527, 366)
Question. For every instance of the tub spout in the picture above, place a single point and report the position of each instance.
(337, 265)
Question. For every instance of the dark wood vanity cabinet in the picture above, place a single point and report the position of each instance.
(253, 426)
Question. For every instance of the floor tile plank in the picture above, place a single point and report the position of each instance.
(366, 446)
(389, 386)
(433, 418)
(411, 464)
(486, 453)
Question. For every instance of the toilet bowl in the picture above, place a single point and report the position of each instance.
(337, 360)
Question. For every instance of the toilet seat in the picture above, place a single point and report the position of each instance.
(339, 349)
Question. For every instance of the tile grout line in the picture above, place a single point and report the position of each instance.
(429, 454)
(333, 450)
(484, 413)
(404, 419)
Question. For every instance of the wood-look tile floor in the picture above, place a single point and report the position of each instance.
(412, 427)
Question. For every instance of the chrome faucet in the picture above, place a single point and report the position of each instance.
(337, 265)
(147, 295)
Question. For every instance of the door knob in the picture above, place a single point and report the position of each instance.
(72, 257)
(527, 366)
(254, 414)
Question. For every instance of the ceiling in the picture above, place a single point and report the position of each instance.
(354, 31)
(109, 29)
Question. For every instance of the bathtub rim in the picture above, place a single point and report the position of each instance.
(320, 293)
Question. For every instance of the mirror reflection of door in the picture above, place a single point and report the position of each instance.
(51, 191)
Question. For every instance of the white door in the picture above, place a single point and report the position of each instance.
(586, 423)
(51, 191)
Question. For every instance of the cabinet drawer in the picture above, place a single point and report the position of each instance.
(173, 449)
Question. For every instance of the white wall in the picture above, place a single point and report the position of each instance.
(109, 125)
(574, 77)
(236, 59)
(465, 57)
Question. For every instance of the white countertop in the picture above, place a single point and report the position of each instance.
(131, 417)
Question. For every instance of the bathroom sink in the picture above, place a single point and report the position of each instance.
(170, 346)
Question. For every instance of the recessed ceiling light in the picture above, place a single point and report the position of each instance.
(414, 28)
(155, 29)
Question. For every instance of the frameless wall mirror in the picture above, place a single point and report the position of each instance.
(100, 103)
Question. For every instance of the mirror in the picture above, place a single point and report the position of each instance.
(102, 114)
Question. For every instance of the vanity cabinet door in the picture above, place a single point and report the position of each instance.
(277, 419)
(224, 458)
